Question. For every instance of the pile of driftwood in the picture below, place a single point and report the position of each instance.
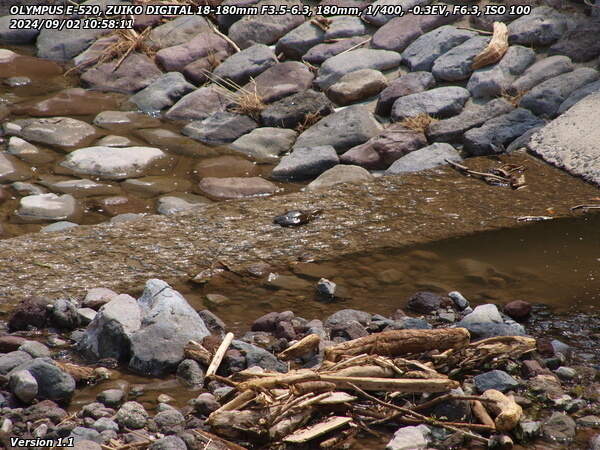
(392, 377)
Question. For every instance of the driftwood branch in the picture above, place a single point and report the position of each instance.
(219, 355)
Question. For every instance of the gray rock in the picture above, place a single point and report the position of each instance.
(345, 315)
(205, 403)
(566, 373)
(543, 26)
(305, 163)
(459, 300)
(42, 207)
(345, 27)
(495, 80)
(104, 423)
(256, 356)
(28, 152)
(421, 54)
(341, 173)
(23, 385)
(399, 32)
(571, 141)
(136, 72)
(545, 99)
(198, 104)
(579, 43)
(595, 442)
(264, 29)
(61, 225)
(483, 314)
(322, 52)
(168, 443)
(439, 102)
(177, 31)
(454, 410)
(96, 297)
(63, 132)
(236, 187)
(168, 204)
(112, 397)
(410, 83)
(168, 323)
(424, 302)
(219, 128)
(299, 40)
(326, 289)
(281, 80)
(452, 129)
(190, 372)
(292, 111)
(336, 67)
(410, 438)
(65, 315)
(559, 428)
(356, 86)
(344, 129)
(455, 65)
(381, 19)
(162, 93)
(10, 35)
(523, 140)
(184, 56)
(214, 324)
(264, 145)
(499, 132)
(63, 45)
(11, 169)
(53, 383)
(579, 94)
(488, 330)
(113, 163)
(35, 349)
(248, 63)
(425, 158)
(495, 379)
(79, 434)
(170, 421)
(109, 334)
(132, 415)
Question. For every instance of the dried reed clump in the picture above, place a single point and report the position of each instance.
(309, 120)
(513, 97)
(418, 123)
(245, 101)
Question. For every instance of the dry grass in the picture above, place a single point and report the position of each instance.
(309, 120)
(245, 101)
(513, 98)
(418, 123)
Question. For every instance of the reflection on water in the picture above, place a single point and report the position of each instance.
(555, 263)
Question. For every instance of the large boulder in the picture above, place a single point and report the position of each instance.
(221, 127)
(198, 104)
(292, 111)
(543, 26)
(336, 67)
(248, 63)
(439, 102)
(53, 383)
(298, 41)
(162, 93)
(541, 71)
(262, 28)
(456, 64)
(63, 132)
(545, 99)
(497, 133)
(174, 59)
(425, 158)
(168, 324)
(109, 334)
(305, 163)
(281, 80)
(410, 83)
(421, 54)
(344, 129)
(571, 141)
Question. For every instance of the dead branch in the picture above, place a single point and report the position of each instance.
(496, 48)
(392, 384)
(481, 413)
(401, 342)
(219, 355)
(300, 348)
(197, 352)
(314, 431)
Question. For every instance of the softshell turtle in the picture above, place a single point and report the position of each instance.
(296, 217)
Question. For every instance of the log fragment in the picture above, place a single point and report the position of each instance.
(496, 48)
(314, 431)
(197, 352)
(481, 413)
(219, 355)
(506, 410)
(282, 380)
(392, 384)
(401, 342)
(300, 348)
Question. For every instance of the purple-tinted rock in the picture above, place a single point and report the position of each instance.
(281, 80)
(198, 105)
(177, 57)
(321, 52)
(410, 83)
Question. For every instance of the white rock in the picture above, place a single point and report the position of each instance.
(113, 163)
(24, 385)
(47, 207)
(410, 438)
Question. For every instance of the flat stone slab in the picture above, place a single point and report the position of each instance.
(386, 212)
(572, 141)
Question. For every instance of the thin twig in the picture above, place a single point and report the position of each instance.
(356, 46)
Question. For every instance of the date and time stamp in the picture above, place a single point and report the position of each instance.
(74, 16)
